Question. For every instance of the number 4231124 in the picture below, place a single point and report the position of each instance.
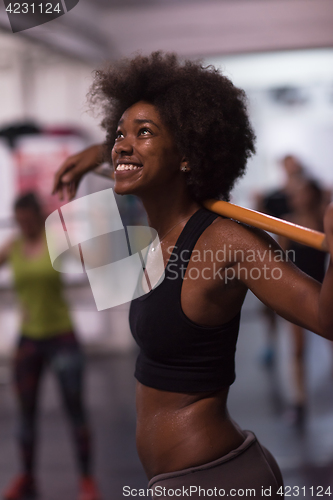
(313, 491)
(32, 8)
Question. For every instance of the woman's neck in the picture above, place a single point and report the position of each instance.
(166, 209)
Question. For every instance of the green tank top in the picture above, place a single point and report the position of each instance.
(39, 289)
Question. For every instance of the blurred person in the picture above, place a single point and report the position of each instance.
(47, 339)
(277, 203)
(178, 134)
(307, 202)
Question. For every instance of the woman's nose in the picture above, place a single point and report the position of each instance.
(124, 146)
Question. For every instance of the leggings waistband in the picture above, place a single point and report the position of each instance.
(249, 441)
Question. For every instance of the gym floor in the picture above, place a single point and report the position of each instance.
(258, 401)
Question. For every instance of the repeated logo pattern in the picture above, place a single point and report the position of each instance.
(87, 235)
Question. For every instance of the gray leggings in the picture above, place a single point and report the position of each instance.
(248, 471)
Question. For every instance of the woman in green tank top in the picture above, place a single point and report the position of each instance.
(47, 338)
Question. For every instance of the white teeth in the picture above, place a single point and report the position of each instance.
(127, 166)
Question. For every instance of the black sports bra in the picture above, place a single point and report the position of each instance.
(177, 354)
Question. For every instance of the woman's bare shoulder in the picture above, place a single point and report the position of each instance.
(236, 234)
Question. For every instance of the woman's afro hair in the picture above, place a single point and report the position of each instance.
(203, 109)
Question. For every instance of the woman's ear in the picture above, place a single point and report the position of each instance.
(184, 166)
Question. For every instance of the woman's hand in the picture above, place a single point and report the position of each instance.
(69, 175)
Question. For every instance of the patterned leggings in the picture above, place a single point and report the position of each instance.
(63, 354)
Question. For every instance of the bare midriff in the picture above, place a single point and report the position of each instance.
(176, 431)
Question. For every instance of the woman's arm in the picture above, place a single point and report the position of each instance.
(271, 275)
(326, 293)
(69, 175)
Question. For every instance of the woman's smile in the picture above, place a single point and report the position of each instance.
(127, 166)
(124, 169)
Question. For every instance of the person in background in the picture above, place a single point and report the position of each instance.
(276, 203)
(307, 202)
(46, 339)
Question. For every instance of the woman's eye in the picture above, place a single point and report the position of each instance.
(119, 134)
(145, 131)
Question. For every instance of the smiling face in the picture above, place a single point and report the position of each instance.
(144, 155)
